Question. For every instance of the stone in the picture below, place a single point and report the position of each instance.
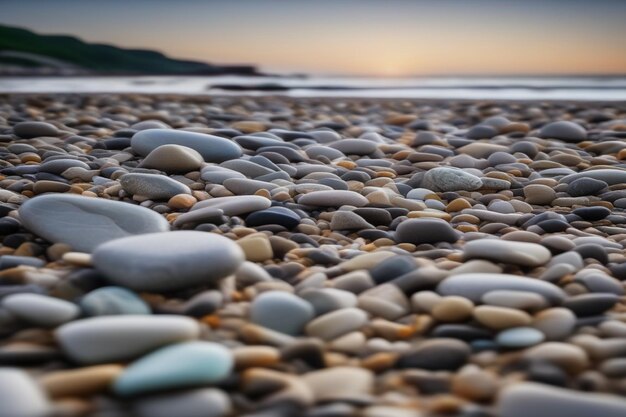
(519, 337)
(437, 354)
(177, 366)
(281, 311)
(212, 148)
(540, 400)
(30, 130)
(570, 358)
(80, 382)
(152, 186)
(563, 130)
(168, 261)
(256, 247)
(173, 159)
(348, 220)
(336, 323)
(85, 223)
(474, 384)
(608, 176)
(108, 301)
(273, 215)
(118, 338)
(341, 383)
(474, 285)
(233, 205)
(200, 402)
(418, 231)
(450, 179)
(40, 310)
(499, 318)
(555, 323)
(539, 194)
(334, 198)
(20, 395)
(452, 309)
(585, 186)
(519, 253)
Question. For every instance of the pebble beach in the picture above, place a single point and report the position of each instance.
(226, 256)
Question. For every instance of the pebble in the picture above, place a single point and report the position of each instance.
(117, 338)
(167, 261)
(178, 366)
(200, 402)
(450, 179)
(341, 383)
(93, 221)
(109, 301)
(499, 318)
(519, 337)
(452, 309)
(151, 186)
(80, 382)
(281, 311)
(436, 354)
(336, 323)
(212, 148)
(233, 205)
(334, 198)
(474, 286)
(419, 231)
(40, 310)
(563, 130)
(20, 395)
(173, 159)
(540, 400)
(519, 253)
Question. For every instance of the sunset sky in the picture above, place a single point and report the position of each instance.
(353, 37)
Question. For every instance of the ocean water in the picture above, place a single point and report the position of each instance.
(509, 88)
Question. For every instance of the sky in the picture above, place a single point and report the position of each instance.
(353, 37)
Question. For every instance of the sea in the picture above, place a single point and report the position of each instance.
(601, 88)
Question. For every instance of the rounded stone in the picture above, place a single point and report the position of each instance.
(585, 186)
(437, 354)
(201, 402)
(212, 148)
(85, 223)
(540, 400)
(333, 198)
(281, 311)
(118, 338)
(499, 318)
(40, 310)
(555, 323)
(452, 309)
(177, 366)
(337, 323)
(563, 130)
(233, 205)
(80, 382)
(519, 337)
(474, 285)
(30, 130)
(152, 186)
(341, 383)
(274, 215)
(539, 194)
(418, 231)
(168, 261)
(519, 253)
(173, 159)
(21, 396)
(108, 301)
(450, 179)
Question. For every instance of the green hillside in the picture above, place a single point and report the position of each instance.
(100, 58)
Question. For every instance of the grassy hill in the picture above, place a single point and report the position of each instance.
(99, 58)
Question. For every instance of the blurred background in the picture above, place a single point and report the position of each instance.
(318, 45)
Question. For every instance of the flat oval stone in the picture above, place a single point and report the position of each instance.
(436, 355)
(173, 159)
(341, 383)
(354, 146)
(201, 402)
(450, 179)
(152, 186)
(585, 186)
(274, 215)
(563, 130)
(108, 301)
(333, 198)
(168, 261)
(337, 323)
(21, 396)
(119, 338)
(419, 231)
(173, 367)
(235, 205)
(519, 253)
(30, 130)
(212, 148)
(474, 285)
(40, 310)
(519, 337)
(609, 176)
(84, 223)
(281, 311)
(525, 399)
